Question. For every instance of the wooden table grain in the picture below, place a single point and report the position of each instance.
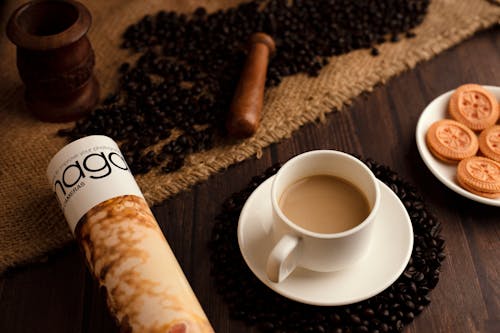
(60, 296)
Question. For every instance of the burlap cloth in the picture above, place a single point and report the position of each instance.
(31, 222)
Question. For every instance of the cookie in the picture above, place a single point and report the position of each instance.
(474, 106)
(451, 141)
(479, 174)
(483, 194)
(489, 142)
(441, 157)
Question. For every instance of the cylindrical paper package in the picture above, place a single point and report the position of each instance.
(123, 245)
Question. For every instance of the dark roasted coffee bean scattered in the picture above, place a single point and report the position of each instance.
(251, 301)
(183, 80)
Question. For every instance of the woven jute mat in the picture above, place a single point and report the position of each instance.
(31, 223)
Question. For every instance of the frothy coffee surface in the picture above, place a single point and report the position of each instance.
(324, 204)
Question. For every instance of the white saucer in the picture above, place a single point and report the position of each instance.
(437, 110)
(391, 248)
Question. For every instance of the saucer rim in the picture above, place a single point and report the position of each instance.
(274, 286)
(433, 112)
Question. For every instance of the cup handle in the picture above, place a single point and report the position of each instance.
(283, 258)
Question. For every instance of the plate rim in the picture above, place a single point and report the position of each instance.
(428, 158)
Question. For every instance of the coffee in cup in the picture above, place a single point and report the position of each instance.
(324, 204)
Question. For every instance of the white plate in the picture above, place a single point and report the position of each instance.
(437, 110)
(390, 250)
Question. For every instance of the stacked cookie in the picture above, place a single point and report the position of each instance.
(474, 109)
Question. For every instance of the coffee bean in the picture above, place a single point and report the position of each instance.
(335, 318)
(426, 300)
(410, 305)
(187, 64)
(319, 329)
(368, 312)
(410, 34)
(267, 327)
(386, 312)
(362, 328)
(64, 132)
(355, 319)
(124, 67)
(409, 317)
(419, 309)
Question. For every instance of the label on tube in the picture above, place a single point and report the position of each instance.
(87, 172)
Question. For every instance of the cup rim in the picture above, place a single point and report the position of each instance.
(302, 231)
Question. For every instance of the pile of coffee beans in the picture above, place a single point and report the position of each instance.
(174, 99)
(251, 301)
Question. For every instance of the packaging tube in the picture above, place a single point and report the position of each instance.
(123, 245)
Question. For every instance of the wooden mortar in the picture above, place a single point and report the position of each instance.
(54, 58)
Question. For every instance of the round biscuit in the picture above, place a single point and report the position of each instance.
(480, 174)
(451, 140)
(495, 195)
(441, 157)
(474, 106)
(489, 142)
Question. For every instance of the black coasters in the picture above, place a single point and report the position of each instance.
(251, 301)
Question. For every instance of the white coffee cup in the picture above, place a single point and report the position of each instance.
(322, 252)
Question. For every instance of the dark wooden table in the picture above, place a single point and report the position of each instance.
(60, 296)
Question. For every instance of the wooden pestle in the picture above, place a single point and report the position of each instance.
(244, 114)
